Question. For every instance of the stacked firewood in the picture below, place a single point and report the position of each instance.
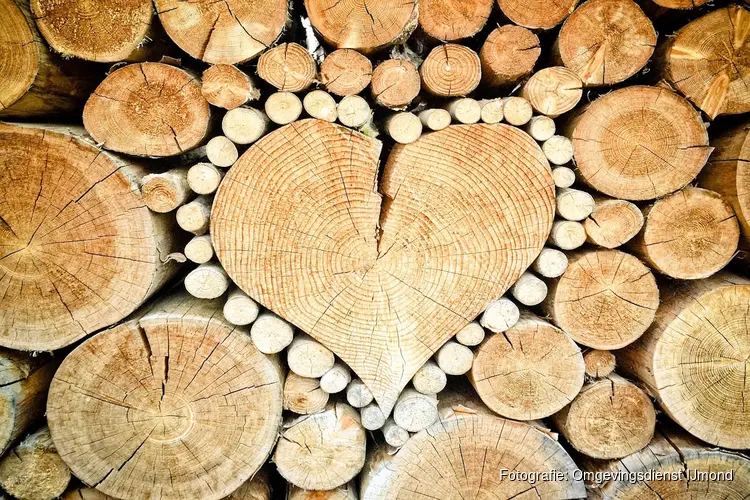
(374, 250)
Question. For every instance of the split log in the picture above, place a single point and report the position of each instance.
(464, 110)
(346, 492)
(204, 178)
(453, 19)
(487, 443)
(694, 352)
(470, 335)
(639, 143)
(435, 119)
(336, 379)
(194, 217)
(500, 315)
(322, 451)
(528, 372)
(321, 105)
(567, 234)
(225, 86)
(366, 28)
(345, 72)
(166, 191)
(308, 358)
(272, 334)
(373, 417)
(707, 61)
(289, 67)
(451, 70)
(612, 223)
(609, 418)
(690, 234)
(415, 411)
(148, 109)
(177, 401)
(79, 250)
(34, 81)
(563, 176)
(283, 107)
(199, 249)
(606, 42)
(599, 363)
(34, 470)
(239, 309)
(303, 395)
(244, 125)
(221, 151)
(207, 281)
(404, 128)
(492, 110)
(395, 83)
(606, 299)
(529, 290)
(454, 358)
(257, 488)
(537, 14)
(508, 55)
(558, 149)
(542, 128)
(687, 469)
(223, 32)
(354, 111)
(429, 379)
(553, 91)
(358, 395)
(517, 111)
(394, 434)
(551, 263)
(728, 173)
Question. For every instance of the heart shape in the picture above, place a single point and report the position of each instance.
(299, 225)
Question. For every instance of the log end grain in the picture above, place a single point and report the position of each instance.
(599, 363)
(553, 91)
(228, 87)
(289, 67)
(303, 395)
(454, 19)
(537, 14)
(451, 70)
(613, 223)
(508, 55)
(345, 72)
(395, 83)
(19, 54)
(34, 470)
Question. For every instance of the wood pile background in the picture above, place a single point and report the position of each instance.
(374, 249)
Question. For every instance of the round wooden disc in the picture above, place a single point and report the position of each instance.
(345, 72)
(537, 14)
(289, 67)
(19, 54)
(509, 54)
(395, 83)
(451, 70)
(453, 19)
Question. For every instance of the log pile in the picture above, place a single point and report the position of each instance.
(374, 250)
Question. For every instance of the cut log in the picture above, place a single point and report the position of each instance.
(225, 86)
(680, 4)
(207, 281)
(257, 488)
(415, 411)
(435, 119)
(529, 290)
(244, 125)
(612, 223)
(465, 110)
(451, 70)
(404, 128)
(728, 173)
(148, 109)
(366, 28)
(500, 315)
(34, 81)
(336, 379)
(435, 174)
(308, 358)
(322, 451)
(395, 83)
(551, 263)
(553, 91)
(199, 249)
(221, 151)
(470, 335)
(283, 107)
(681, 467)
(599, 363)
(567, 234)
(373, 417)
(85, 494)
(223, 32)
(563, 176)
(453, 20)
(358, 395)
(690, 234)
(345, 72)
(542, 128)
(508, 55)
(430, 379)
(34, 470)
(394, 434)
(321, 105)
(271, 334)
(303, 395)
(354, 111)
(639, 143)
(609, 418)
(692, 358)
(166, 191)
(528, 372)
(492, 110)
(346, 492)
(558, 149)
(708, 61)
(606, 41)
(194, 217)
(517, 111)
(178, 389)
(454, 358)
(289, 67)
(487, 443)
(79, 250)
(204, 178)
(574, 204)
(537, 14)
(606, 299)
(239, 309)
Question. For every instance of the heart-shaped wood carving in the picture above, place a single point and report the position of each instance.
(383, 277)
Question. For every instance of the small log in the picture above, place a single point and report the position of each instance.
(558, 150)
(606, 42)
(34, 470)
(687, 61)
(690, 234)
(563, 177)
(651, 165)
(553, 91)
(492, 110)
(508, 55)
(517, 111)
(395, 83)
(358, 395)
(500, 315)
(303, 395)
(85, 494)
(415, 411)
(165, 192)
(148, 109)
(606, 299)
(244, 125)
(226, 86)
(207, 281)
(537, 14)
(574, 204)
(541, 128)
(321, 105)
(372, 417)
(322, 451)
(221, 151)
(404, 128)
(599, 363)
(464, 110)
(680, 4)
(204, 178)
(529, 290)
(435, 119)
(272, 334)
(283, 107)
(199, 249)
(336, 379)
(239, 309)
(345, 72)
(451, 70)
(612, 223)
(609, 418)
(223, 32)
(551, 263)
(354, 111)
(394, 434)
(454, 358)
(470, 335)
(453, 20)
(176, 385)
(429, 379)
(346, 492)
(567, 234)
(307, 357)
(257, 488)
(194, 217)
(363, 28)
(528, 372)
(289, 67)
